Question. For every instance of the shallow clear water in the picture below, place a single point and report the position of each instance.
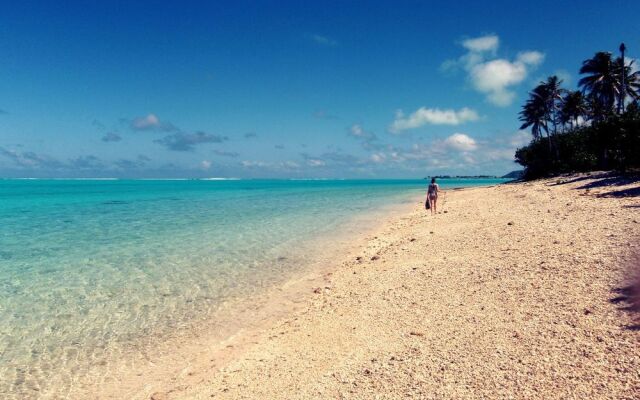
(89, 266)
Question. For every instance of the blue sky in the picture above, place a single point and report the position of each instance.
(284, 89)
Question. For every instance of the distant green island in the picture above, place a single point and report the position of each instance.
(464, 177)
(510, 175)
(514, 175)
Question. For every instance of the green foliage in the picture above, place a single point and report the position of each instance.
(577, 131)
(613, 143)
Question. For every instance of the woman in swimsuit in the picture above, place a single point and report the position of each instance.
(432, 195)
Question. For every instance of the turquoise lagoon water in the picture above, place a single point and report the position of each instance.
(88, 267)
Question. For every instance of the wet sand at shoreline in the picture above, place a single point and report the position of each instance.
(517, 300)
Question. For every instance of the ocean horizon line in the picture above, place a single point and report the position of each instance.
(245, 179)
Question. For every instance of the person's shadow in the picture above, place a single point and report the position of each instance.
(628, 299)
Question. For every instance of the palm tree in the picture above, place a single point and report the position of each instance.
(543, 107)
(601, 82)
(534, 115)
(573, 107)
(631, 80)
(552, 93)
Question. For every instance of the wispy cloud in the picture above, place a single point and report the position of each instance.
(279, 147)
(323, 40)
(357, 131)
(151, 122)
(98, 125)
(494, 77)
(111, 137)
(250, 135)
(29, 159)
(254, 164)
(456, 152)
(181, 141)
(323, 114)
(434, 116)
(231, 154)
(286, 166)
(330, 157)
(3, 112)
(89, 162)
(519, 139)
(205, 164)
(368, 139)
(128, 165)
(488, 43)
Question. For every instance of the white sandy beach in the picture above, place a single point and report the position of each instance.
(517, 300)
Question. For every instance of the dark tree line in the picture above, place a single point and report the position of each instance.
(595, 127)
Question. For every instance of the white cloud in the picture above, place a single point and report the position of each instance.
(519, 139)
(314, 162)
(468, 158)
(494, 77)
(482, 43)
(367, 139)
(434, 116)
(151, 122)
(181, 141)
(323, 40)
(205, 164)
(254, 164)
(378, 158)
(457, 152)
(357, 131)
(533, 58)
(499, 154)
(461, 142)
(289, 164)
(276, 166)
(147, 122)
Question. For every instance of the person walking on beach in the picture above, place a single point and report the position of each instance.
(432, 195)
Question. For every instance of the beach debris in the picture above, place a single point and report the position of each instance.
(412, 239)
(317, 290)
(359, 259)
(416, 333)
(431, 232)
(375, 258)
(159, 396)
(509, 223)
